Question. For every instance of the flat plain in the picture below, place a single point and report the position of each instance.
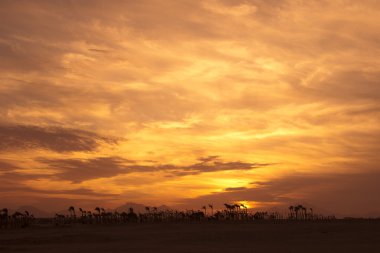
(285, 237)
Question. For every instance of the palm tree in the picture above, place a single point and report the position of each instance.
(229, 207)
(72, 212)
(82, 215)
(60, 219)
(296, 209)
(291, 210)
(132, 216)
(212, 209)
(18, 219)
(304, 212)
(89, 215)
(4, 219)
(299, 208)
(204, 208)
(231, 210)
(97, 215)
(245, 208)
(238, 214)
(29, 218)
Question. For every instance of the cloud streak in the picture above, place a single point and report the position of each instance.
(79, 170)
(13, 137)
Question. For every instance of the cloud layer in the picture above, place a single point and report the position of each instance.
(161, 101)
(79, 170)
(13, 137)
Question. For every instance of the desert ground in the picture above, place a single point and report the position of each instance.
(286, 237)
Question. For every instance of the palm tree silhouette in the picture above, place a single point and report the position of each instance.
(97, 215)
(82, 215)
(233, 212)
(72, 212)
(291, 210)
(18, 219)
(297, 209)
(245, 208)
(300, 212)
(204, 208)
(304, 212)
(237, 206)
(228, 207)
(4, 219)
(212, 209)
(59, 219)
(132, 216)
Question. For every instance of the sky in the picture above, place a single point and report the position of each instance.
(186, 103)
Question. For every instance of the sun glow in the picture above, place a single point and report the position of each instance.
(246, 204)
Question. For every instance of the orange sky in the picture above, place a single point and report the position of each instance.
(190, 102)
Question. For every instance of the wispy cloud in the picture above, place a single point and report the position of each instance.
(14, 137)
(78, 170)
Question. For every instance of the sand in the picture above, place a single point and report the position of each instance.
(305, 237)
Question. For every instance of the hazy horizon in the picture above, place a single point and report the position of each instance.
(50, 212)
(185, 103)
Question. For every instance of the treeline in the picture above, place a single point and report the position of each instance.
(15, 220)
(231, 212)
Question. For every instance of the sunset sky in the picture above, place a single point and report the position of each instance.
(184, 103)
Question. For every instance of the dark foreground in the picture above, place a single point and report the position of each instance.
(285, 237)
